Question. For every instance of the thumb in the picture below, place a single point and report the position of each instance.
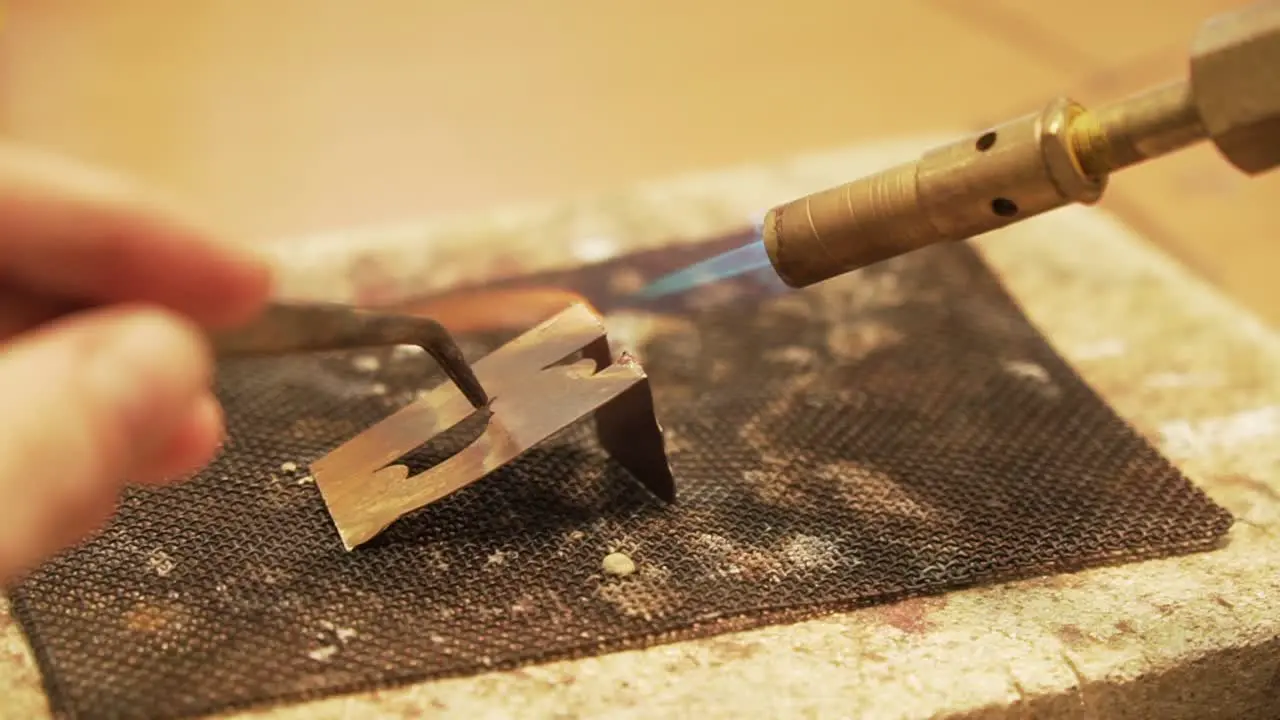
(85, 400)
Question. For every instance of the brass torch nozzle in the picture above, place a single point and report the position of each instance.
(1061, 155)
(1138, 128)
(981, 183)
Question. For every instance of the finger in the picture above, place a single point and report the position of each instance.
(193, 444)
(21, 311)
(71, 231)
(502, 309)
(33, 540)
(81, 518)
(85, 398)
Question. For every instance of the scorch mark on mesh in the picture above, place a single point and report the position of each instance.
(872, 490)
(312, 426)
(1188, 438)
(855, 341)
(716, 543)
(153, 618)
(645, 594)
(794, 305)
(797, 355)
(809, 552)
(729, 558)
(771, 482)
(711, 297)
(771, 560)
(677, 442)
(878, 291)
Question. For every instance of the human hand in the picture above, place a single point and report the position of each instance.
(105, 372)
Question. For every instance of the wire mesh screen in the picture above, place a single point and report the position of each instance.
(901, 431)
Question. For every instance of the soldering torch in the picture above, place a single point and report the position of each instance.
(1061, 155)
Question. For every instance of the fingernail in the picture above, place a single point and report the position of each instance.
(147, 363)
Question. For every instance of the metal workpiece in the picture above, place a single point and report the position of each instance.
(302, 327)
(366, 484)
(1061, 155)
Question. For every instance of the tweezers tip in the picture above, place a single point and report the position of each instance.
(478, 398)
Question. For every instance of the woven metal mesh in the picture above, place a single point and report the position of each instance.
(898, 432)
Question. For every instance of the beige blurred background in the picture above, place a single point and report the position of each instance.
(283, 117)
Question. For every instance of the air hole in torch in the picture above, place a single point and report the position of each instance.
(986, 142)
(1004, 207)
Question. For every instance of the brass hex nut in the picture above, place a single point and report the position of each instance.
(1058, 148)
(1235, 80)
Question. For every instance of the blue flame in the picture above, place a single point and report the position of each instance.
(739, 261)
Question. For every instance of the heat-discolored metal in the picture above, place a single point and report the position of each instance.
(536, 389)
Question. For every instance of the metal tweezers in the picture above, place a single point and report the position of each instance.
(299, 327)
